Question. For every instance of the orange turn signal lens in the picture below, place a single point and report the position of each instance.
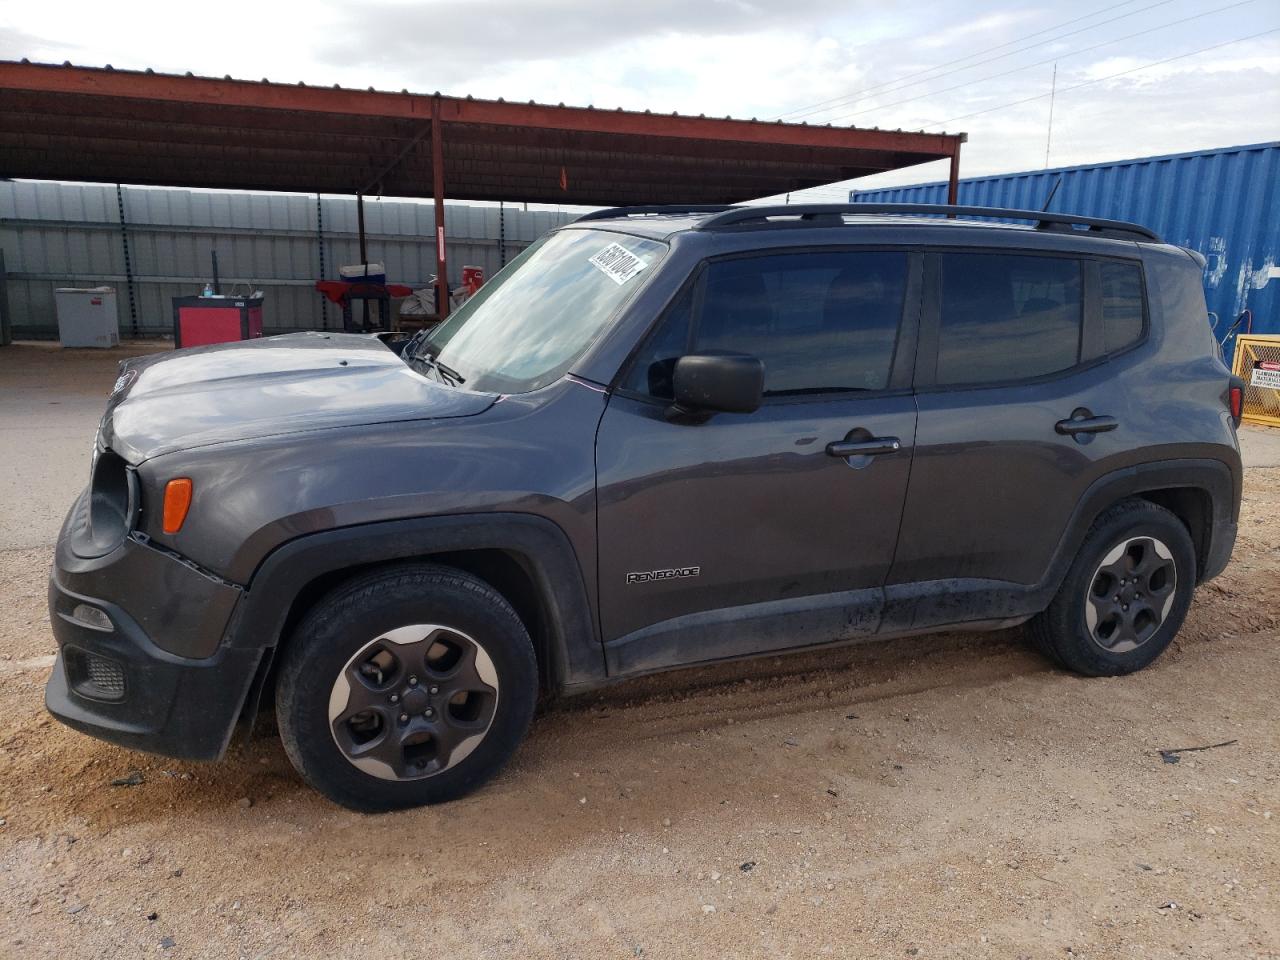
(177, 501)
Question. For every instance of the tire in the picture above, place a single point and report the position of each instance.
(408, 686)
(1125, 596)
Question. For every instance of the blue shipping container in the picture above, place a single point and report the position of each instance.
(1223, 203)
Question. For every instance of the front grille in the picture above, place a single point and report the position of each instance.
(94, 676)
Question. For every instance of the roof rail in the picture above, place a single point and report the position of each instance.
(668, 209)
(832, 214)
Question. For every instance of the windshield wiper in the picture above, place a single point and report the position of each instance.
(414, 345)
(414, 352)
(444, 373)
(457, 378)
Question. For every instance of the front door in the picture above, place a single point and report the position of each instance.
(755, 532)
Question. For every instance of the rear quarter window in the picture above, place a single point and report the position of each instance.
(1122, 305)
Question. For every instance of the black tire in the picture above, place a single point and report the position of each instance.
(1064, 631)
(357, 618)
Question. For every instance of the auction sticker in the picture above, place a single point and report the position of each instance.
(1266, 375)
(618, 263)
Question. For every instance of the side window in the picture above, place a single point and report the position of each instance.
(1121, 305)
(820, 322)
(1007, 317)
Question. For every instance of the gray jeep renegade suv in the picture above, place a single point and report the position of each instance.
(659, 437)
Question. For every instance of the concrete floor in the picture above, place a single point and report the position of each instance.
(1260, 446)
(50, 403)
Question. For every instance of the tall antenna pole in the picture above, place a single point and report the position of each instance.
(1053, 91)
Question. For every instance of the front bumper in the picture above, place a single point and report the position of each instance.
(140, 683)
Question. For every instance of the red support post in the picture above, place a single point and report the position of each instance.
(437, 191)
(953, 186)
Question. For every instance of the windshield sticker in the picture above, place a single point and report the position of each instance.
(618, 263)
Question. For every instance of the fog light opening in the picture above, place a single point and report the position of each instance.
(92, 617)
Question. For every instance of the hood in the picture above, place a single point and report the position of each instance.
(268, 387)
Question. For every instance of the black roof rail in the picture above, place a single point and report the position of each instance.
(671, 209)
(832, 214)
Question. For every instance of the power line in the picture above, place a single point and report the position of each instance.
(970, 56)
(1112, 76)
(820, 108)
(1040, 63)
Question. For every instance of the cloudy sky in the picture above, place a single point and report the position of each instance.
(1134, 78)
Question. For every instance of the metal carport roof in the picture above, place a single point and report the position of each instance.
(115, 126)
(104, 125)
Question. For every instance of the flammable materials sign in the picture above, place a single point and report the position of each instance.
(1266, 374)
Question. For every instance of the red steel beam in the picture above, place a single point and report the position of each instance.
(437, 191)
(953, 183)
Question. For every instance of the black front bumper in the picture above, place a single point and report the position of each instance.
(137, 684)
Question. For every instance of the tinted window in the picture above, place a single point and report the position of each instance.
(818, 321)
(1007, 317)
(1121, 305)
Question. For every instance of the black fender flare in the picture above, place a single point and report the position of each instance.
(1216, 478)
(539, 545)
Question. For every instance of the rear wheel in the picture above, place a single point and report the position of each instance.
(408, 686)
(1125, 596)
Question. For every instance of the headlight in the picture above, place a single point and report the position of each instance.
(112, 507)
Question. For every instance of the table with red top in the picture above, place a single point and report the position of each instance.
(342, 292)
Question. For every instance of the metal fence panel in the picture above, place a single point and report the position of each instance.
(66, 234)
(1257, 363)
(1222, 203)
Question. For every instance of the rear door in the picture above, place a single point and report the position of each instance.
(1022, 404)
(750, 532)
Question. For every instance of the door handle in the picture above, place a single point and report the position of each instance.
(1085, 424)
(863, 448)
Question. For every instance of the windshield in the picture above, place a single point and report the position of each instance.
(526, 326)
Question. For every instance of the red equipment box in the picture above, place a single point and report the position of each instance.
(202, 320)
(472, 279)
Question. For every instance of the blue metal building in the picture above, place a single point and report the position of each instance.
(1224, 203)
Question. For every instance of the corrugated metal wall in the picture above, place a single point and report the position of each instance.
(1224, 203)
(70, 235)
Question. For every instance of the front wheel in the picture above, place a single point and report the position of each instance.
(408, 686)
(1125, 596)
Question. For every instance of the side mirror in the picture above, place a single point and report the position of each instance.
(717, 383)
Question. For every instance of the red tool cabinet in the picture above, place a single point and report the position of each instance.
(201, 320)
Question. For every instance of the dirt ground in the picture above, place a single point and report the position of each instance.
(945, 796)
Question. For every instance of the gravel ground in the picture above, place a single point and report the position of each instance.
(943, 796)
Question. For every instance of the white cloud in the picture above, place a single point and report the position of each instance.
(981, 27)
